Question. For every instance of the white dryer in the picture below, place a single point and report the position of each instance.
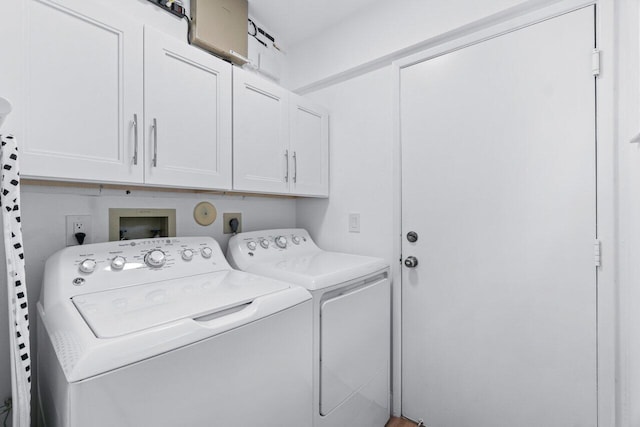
(162, 332)
(351, 346)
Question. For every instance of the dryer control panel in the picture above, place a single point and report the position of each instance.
(269, 245)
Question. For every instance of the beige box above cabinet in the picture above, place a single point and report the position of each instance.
(220, 26)
(280, 140)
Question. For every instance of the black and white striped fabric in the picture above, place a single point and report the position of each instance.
(16, 285)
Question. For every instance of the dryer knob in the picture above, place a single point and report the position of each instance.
(296, 240)
(118, 263)
(252, 245)
(281, 241)
(88, 265)
(187, 254)
(264, 243)
(206, 252)
(155, 258)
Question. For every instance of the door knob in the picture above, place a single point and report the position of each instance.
(411, 262)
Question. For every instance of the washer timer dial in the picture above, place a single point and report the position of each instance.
(281, 241)
(155, 258)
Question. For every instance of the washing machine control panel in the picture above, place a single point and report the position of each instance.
(102, 266)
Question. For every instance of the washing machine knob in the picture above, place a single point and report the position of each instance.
(264, 243)
(187, 254)
(155, 258)
(118, 263)
(206, 252)
(88, 265)
(296, 240)
(252, 245)
(281, 241)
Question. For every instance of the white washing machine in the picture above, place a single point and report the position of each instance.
(162, 332)
(351, 346)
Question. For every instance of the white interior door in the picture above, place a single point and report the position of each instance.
(498, 181)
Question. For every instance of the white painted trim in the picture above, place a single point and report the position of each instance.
(495, 30)
(606, 122)
(511, 20)
(396, 295)
(544, 9)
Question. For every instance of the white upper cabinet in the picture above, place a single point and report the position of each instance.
(260, 134)
(100, 97)
(80, 89)
(280, 140)
(309, 145)
(187, 125)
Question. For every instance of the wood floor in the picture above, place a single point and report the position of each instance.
(400, 422)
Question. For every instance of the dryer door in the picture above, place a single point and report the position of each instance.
(354, 346)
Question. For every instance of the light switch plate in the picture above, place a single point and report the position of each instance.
(354, 223)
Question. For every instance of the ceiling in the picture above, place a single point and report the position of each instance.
(296, 20)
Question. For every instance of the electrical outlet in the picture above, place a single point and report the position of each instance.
(78, 224)
(226, 217)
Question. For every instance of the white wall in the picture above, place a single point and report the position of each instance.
(384, 28)
(360, 132)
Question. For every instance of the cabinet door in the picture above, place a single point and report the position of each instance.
(187, 114)
(79, 89)
(309, 144)
(261, 154)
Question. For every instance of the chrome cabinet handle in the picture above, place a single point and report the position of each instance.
(154, 126)
(135, 139)
(295, 167)
(286, 156)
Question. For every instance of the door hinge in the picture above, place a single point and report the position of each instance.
(595, 62)
(597, 253)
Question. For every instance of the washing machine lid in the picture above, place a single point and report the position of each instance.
(118, 312)
(319, 269)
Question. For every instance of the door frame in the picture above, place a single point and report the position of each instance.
(512, 19)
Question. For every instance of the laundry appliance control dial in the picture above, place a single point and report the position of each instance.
(281, 241)
(187, 254)
(264, 243)
(118, 263)
(87, 266)
(296, 240)
(252, 245)
(206, 252)
(155, 258)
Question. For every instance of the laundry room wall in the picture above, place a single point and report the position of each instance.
(382, 30)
